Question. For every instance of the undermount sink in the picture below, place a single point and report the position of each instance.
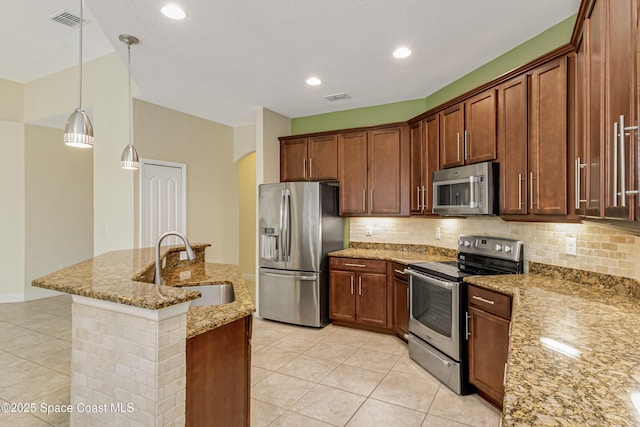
(212, 294)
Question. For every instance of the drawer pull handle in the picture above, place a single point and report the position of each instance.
(483, 300)
(355, 265)
(400, 272)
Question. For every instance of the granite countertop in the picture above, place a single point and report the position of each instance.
(403, 257)
(204, 318)
(123, 277)
(595, 381)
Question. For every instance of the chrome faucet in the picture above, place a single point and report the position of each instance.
(190, 254)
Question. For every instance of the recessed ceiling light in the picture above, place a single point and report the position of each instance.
(402, 52)
(173, 11)
(313, 81)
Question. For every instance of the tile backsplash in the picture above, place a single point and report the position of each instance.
(600, 248)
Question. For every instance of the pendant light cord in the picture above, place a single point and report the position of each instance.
(80, 54)
(130, 99)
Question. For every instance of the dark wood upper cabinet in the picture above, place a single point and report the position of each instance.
(512, 142)
(606, 101)
(373, 170)
(469, 131)
(309, 159)
(621, 108)
(480, 128)
(385, 158)
(293, 160)
(548, 139)
(425, 147)
(452, 136)
(352, 173)
(323, 158)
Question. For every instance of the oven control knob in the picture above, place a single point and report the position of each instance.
(467, 243)
(498, 248)
(507, 248)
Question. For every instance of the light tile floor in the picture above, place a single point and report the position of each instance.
(300, 376)
(338, 376)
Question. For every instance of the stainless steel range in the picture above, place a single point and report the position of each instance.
(438, 320)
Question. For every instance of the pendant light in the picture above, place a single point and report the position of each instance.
(129, 159)
(78, 131)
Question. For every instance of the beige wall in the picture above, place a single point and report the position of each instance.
(11, 101)
(105, 96)
(206, 148)
(12, 212)
(600, 248)
(247, 190)
(244, 141)
(269, 126)
(59, 204)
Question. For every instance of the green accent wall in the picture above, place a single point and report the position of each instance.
(539, 45)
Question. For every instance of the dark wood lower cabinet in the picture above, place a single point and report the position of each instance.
(218, 376)
(488, 342)
(400, 284)
(359, 295)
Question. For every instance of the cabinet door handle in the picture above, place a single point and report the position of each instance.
(488, 301)
(467, 138)
(467, 333)
(615, 164)
(355, 265)
(364, 200)
(360, 285)
(304, 167)
(623, 164)
(458, 145)
(424, 206)
(408, 303)
(520, 191)
(400, 272)
(351, 285)
(504, 378)
(579, 165)
(418, 197)
(370, 201)
(531, 202)
(310, 167)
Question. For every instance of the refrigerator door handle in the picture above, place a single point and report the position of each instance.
(287, 224)
(281, 253)
(289, 276)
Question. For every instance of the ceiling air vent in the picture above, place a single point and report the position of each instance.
(336, 97)
(66, 18)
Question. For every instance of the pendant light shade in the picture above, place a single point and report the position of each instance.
(78, 131)
(129, 159)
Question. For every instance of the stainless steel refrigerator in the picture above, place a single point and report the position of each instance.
(298, 225)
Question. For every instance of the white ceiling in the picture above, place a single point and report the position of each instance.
(230, 56)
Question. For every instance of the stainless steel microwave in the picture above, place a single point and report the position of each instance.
(466, 190)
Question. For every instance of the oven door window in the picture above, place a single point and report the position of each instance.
(432, 306)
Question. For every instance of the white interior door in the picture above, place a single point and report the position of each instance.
(162, 201)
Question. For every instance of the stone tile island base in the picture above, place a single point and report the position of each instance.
(128, 364)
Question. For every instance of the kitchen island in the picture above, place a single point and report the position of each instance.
(131, 338)
(573, 356)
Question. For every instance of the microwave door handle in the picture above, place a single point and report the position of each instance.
(472, 187)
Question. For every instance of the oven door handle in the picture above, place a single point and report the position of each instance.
(431, 280)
